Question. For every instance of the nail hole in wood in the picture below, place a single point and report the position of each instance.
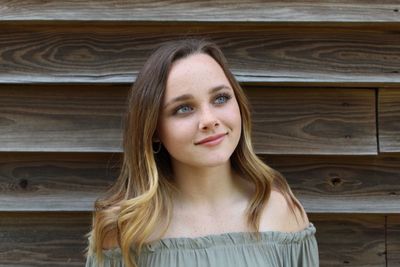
(23, 183)
(336, 181)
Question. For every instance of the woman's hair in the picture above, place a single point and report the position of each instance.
(141, 196)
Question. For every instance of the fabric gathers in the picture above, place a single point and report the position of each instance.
(235, 249)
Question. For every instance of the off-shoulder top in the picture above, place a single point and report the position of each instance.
(235, 249)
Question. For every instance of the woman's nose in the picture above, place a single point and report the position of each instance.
(208, 119)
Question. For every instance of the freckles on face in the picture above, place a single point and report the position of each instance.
(199, 102)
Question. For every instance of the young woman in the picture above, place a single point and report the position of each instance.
(191, 191)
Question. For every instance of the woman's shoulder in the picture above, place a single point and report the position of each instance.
(278, 216)
(110, 240)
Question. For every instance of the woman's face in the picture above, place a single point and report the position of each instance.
(199, 103)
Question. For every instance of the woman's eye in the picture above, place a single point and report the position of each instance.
(183, 109)
(219, 100)
(222, 99)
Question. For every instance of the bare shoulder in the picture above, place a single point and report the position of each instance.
(111, 238)
(278, 216)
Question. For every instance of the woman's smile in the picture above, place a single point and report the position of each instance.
(212, 140)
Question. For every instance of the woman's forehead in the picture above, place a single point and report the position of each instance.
(193, 74)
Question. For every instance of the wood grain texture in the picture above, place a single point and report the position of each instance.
(57, 239)
(343, 184)
(285, 55)
(61, 118)
(351, 240)
(89, 119)
(43, 239)
(55, 182)
(72, 181)
(361, 11)
(389, 120)
(393, 240)
(313, 121)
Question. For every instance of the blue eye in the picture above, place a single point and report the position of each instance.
(218, 100)
(182, 109)
(222, 98)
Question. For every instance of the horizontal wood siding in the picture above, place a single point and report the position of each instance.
(284, 55)
(43, 239)
(321, 121)
(324, 184)
(317, 121)
(61, 118)
(55, 182)
(343, 184)
(355, 11)
(351, 240)
(322, 77)
(393, 240)
(389, 120)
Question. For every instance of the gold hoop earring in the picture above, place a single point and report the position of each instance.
(158, 149)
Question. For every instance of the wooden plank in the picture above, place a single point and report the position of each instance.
(55, 182)
(284, 55)
(61, 118)
(43, 239)
(72, 181)
(313, 121)
(351, 240)
(345, 184)
(393, 240)
(389, 120)
(57, 239)
(202, 11)
(88, 119)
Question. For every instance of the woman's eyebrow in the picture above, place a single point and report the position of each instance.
(189, 96)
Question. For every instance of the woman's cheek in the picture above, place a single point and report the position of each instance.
(180, 130)
(235, 111)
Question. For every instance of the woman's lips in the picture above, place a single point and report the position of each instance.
(212, 140)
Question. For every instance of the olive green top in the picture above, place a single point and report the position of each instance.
(235, 249)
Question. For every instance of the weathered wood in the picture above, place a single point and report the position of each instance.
(49, 182)
(43, 239)
(364, 11)
(270, 54)
(389, 120)
(71, 182)
(351, 240)
(61, 118)
(345, 184)
(57, 239)
(393, 240)
(88, 119)
(313, 121)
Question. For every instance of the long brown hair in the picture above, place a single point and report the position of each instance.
(141, 196)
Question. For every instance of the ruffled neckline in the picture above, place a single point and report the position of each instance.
(223, 239)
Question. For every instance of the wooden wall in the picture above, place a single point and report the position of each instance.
(323, 78)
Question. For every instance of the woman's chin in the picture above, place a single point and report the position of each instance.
(214, 162)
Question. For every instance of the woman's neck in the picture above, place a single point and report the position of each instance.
(211, 188)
